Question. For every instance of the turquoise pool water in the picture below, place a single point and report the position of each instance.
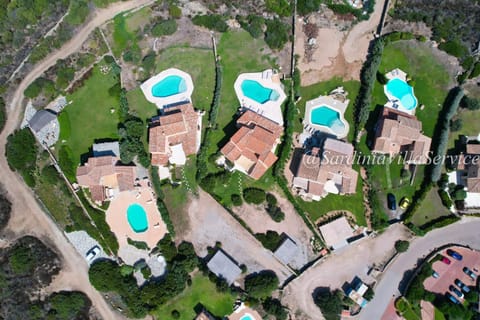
(169, 86)
(247, 317)
(257, 92)
(137, 218)
(403, 92)
(326, 116)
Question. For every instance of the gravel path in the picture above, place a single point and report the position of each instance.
(211, 222)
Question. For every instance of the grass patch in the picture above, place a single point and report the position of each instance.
(88, 117)
(201, 291)
(138, 19)
(121, 36)
(430, 209)
(430, 76)
(140, 107)
(323, 88)
(470, 120)
(200, 64)
(406, 309)
(439, 315)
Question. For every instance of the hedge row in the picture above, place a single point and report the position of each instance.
(442, 130)
(162, 208)
(202, 157)
(99, 219)
(367, 80)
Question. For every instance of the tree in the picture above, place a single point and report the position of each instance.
(212, 21)
(174, 11)
(105, 275)
(68, 305)
(459, 194)
(164, 28)
(254, 195)
(329, 302)
(275, 308)
(236, 200)
(260, 285)
(167, 247)
(269, 240)
(276, 34)
(401, 245)
(456, 124)
(470, 103)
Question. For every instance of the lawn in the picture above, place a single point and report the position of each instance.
(202, 291)
(431, 208)
(431, 80)
(323, 88)
(439, 315)
(138, 19)
(200, 64)
(89, 118)
(140, 107)
(406, 309)
(470, 120)
(122, 38)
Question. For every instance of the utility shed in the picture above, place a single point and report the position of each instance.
(223, 266)
(287, 251)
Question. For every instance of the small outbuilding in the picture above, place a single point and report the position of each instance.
(337, 233)
(223, 266)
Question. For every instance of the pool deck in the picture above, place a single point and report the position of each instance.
(393, 102)
(270, 109)
(117, 217)
(162, 101)
(332, 103)
(242, 311)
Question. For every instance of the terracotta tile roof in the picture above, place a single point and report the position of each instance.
(473, 148)
(177, 125)
(333, 164)
(397, 132)
(252, 147)
(104, 172)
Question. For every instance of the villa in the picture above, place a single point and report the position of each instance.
(175, 134)
(261, 92)
(470, 167)
(252, 148)
(105, 177)
(318, 173)
(398, 132)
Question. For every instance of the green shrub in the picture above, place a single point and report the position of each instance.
(21, 152)
(66, 163)
(254, 195)
(167, 248)
(270, 240)
(454, 48)
(260, 285)
(77, 12)
(470, 103)
(252, 24)
(164, 28)
(212, 21)
(22, 260)
(174, 11)
(305, 7)
(175, 314)
(401, 245)
(271, 200)
(276, 34)
(456, 124)
(281, 7)
(329, 302)
(275, 308)
(447, 202)
(476, 71)
(3, 114)
(236, 200)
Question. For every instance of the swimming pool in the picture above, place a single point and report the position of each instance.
(247, 317)
(328, 117)
(137, 218)
(403, 92)
(255, 91)
(169, 86)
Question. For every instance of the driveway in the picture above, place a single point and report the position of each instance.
(464, 232)
(340, 267)
(210, 223)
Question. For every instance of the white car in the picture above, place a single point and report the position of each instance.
(92, 253)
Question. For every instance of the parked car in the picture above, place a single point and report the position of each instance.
(462, 286)
(452, 298)
(446, 260)
(456, 291)
(454, 254)
(435, 274)
(404, 203)
(391, 201)
(469, 273)
(92, 253)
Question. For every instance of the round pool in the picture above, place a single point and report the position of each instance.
(137, 218)
(169, 86)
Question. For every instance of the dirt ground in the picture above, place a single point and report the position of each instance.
(336, 269)
(337, 53)
(211, 223)
(260, 222)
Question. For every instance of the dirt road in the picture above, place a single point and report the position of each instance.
(340, 267)
(337, 53)
(27, 216)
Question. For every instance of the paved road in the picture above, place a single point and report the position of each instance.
(464, 232)
(27, 216)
